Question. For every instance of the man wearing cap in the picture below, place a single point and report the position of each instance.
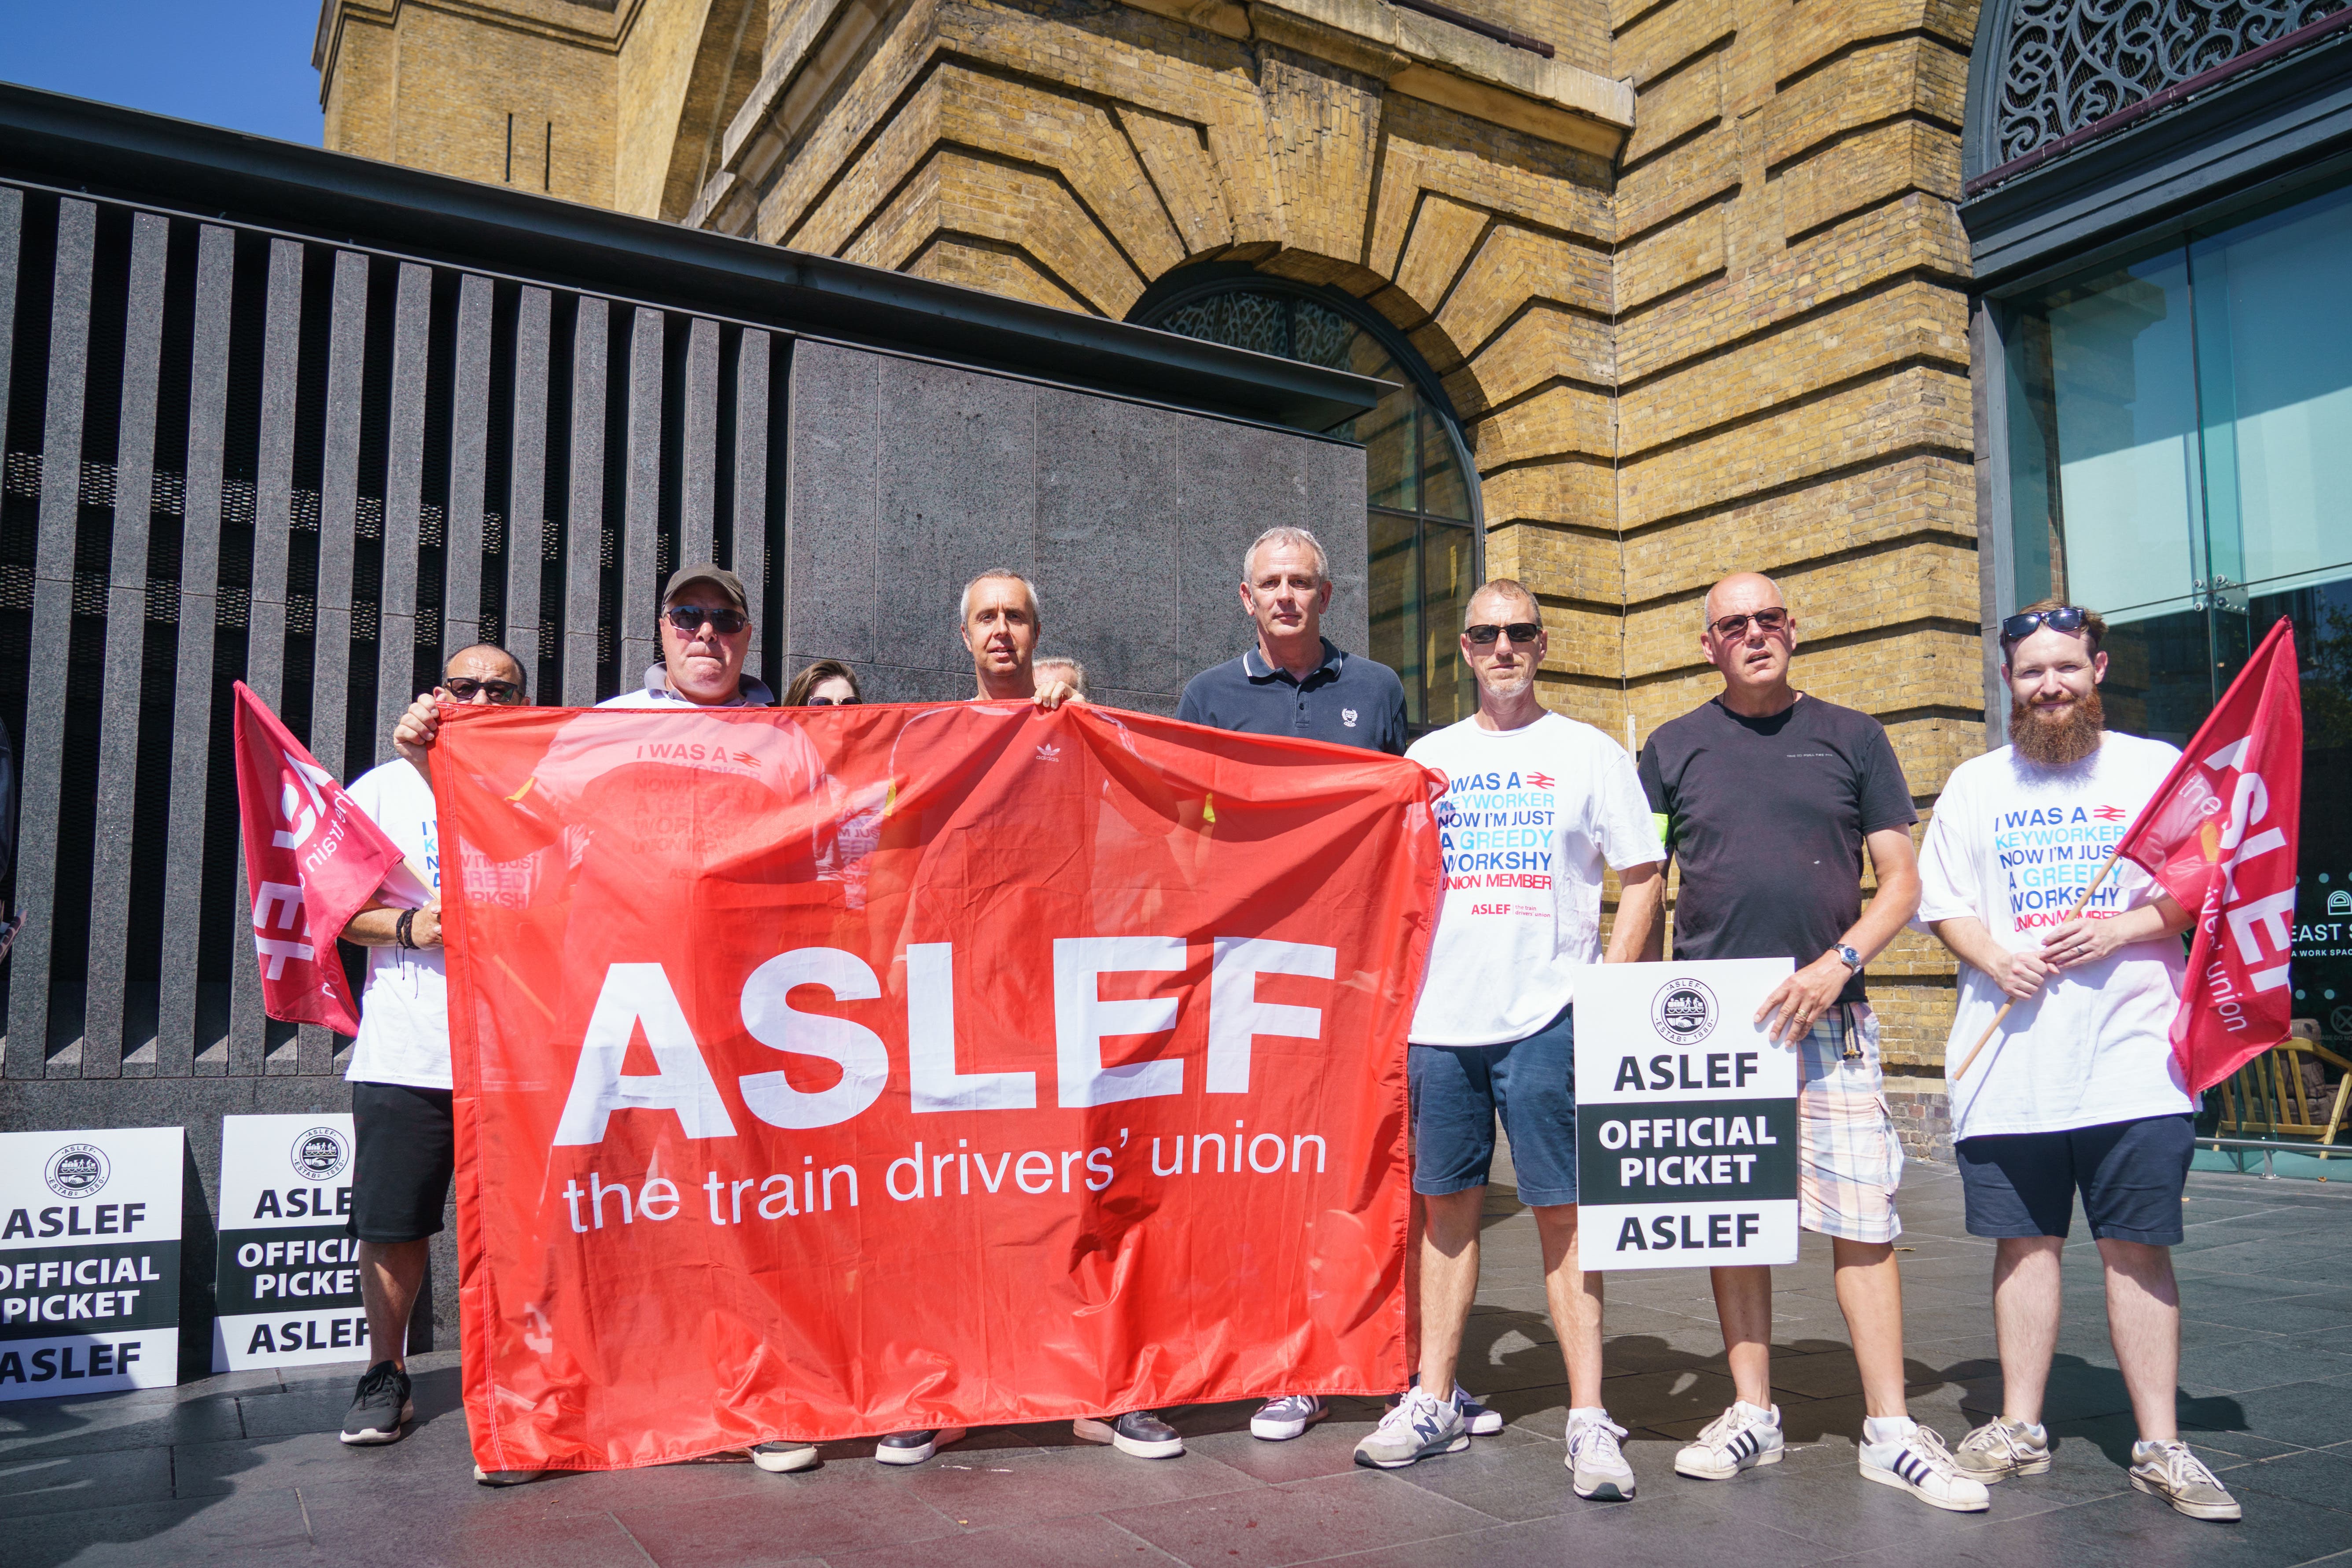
(705, 629)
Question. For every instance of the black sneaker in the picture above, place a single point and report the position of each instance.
(1139, 1433)
(914, 1447)
(380, 1407)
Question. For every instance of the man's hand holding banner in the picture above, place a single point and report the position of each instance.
(830, 1072)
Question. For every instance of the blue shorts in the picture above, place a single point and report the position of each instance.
(1458, 1089)
(2130, 1174)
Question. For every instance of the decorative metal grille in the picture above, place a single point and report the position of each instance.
(2072, 63)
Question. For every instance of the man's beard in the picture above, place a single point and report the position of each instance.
(2058, 743)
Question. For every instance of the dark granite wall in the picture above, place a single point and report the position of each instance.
(908, 477)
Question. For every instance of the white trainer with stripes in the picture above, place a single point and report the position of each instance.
(1740, 1439)
(1918, 1462)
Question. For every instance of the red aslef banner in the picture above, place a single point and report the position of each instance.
(829, 1072)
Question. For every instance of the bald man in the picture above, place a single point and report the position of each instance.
(1769, 799)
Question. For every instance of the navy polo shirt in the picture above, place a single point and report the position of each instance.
(1347, 700)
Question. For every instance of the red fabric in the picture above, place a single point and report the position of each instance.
(1049, 949)
(2219, 836)
(311, 860)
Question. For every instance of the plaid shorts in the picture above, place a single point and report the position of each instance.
(1849, 1159)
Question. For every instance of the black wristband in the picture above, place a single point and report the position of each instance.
(401, 930)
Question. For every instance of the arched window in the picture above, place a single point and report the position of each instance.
(1422, 493)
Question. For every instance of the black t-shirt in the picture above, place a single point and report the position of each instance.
(1767, 818)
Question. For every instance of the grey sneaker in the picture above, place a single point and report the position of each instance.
(1280, 1420)
(1418, 1427)
(2002, 1448)
(783, 1455)
(380, 1408)
(2170, 1471)
(1741, 1436)
(1596, 1466)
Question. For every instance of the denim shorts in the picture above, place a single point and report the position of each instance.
(1457, 1091)
(2131, 1175)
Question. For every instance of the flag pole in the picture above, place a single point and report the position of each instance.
(2075, 913)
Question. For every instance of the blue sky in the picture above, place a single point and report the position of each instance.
(245, 64)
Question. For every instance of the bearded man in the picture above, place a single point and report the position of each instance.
(2081, 1093)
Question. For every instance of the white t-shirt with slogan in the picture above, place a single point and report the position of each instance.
(405, 1009)
(1528, 817)
(2014, 844)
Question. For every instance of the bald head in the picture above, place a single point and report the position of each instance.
(1748, 591)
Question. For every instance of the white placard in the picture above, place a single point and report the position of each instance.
(287, 1289)
(1686, 1117)
(90, 1261)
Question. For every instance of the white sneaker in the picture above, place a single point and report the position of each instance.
(1416, 1427)
(1279, 1420)
(783, 1455)
(1596, 1466)
(1921, 1465)
(1742, 1436)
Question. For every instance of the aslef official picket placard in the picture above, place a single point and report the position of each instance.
(90, 1261)
(1686, 1117)
(288, 1285)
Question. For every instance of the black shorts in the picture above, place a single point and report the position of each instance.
(2130, 1174)
(408, 1152)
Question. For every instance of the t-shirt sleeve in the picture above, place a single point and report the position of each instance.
(1652, 780)
(1947, 871)
(1628, 835)
(1886, 794)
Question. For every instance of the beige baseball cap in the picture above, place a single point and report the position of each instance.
(708, 571)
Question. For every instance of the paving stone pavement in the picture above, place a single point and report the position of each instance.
(245, 1469)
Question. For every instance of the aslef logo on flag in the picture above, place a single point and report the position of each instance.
(2219, 836)
(312, 859)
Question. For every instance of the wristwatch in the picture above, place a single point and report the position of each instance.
(1849, 956)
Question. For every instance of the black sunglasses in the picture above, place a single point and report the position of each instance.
(832, 702)
(1517, 631)
(463, 688)
(1771, 620)
(689, 618)
(2065, 618)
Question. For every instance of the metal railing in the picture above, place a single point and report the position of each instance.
(2270, 1147)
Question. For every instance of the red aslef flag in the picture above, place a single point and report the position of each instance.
(312, 859)
(2219, 836)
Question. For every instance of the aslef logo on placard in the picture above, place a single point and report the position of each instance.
(1684, 1012)
(78, 1170)
(321, 1153)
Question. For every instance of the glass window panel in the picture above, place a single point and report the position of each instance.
(2274, 336)
(1320, 335)
(1393, 599)
(1448, 578)
(1387, 433)
(1442, 493)
(2105, 396)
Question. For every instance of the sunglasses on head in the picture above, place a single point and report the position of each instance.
(833, 701)
(463, 688)
(1771, 620)
(1517, 632)
(689, 618)
(2065, 618)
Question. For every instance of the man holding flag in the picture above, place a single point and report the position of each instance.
(2028, 878)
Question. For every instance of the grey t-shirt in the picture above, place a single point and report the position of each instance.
(1767, 818)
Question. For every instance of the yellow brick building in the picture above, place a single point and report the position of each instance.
(1685, 276)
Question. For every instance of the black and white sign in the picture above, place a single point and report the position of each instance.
(1686, 1117)
(288, 1290)
(90, 1261)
